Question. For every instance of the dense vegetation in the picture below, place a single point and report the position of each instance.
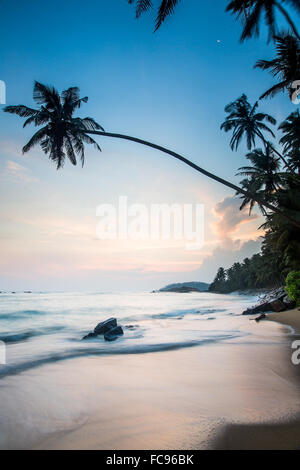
(293, 286)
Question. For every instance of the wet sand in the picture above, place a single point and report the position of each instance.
(282, 435)
(290, 318)
(238, 394)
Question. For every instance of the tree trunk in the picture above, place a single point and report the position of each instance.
(198, 168)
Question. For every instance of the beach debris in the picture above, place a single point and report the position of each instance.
(265, 307)
(277, 305)
(288, 302)
(276, 300)
(109, 328)
(260, 317)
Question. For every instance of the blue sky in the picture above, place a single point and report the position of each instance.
(170, 88)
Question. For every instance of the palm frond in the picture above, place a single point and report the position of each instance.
(35, 139)
(20, 110)
(166, 8)
(46, 95)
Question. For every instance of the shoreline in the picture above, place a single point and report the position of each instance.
(238, 393)
(289, 318)
(281, 435)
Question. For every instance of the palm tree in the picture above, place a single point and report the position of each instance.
(291, 139)
(243, 120)
(166, 8)
(285, 66)
(262, 177)
(251, 12)
(282, 237)
(63, 135)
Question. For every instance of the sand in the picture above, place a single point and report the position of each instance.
(289, 318)
(277, 436)
(239, 394)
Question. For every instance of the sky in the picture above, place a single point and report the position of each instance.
(169, 88)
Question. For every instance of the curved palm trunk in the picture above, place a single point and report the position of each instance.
(198, 168)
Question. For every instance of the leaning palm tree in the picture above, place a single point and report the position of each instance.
(263, 175)
(244, 121)
(285, 66)
(251, 11)
(64, 135)
(165, 9)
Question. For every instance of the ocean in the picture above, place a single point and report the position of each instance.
(39, 328)
(186, 365)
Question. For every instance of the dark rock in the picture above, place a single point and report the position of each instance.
(288, 302)
(105, 326)
(261, 317)
(277, 305)
(265, 307)
(113, 334)
(131, 327)
(90, 335)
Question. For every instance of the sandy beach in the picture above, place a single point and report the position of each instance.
(282, 435)
(290, 318)
(237, 394)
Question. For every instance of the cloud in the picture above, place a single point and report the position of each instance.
(17, 172)
(226, 257)
(230, 219)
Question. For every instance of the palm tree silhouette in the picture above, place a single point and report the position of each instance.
(291, 139)
(263, 175)
(63, 135)
(251, 12)
(244, 121)
(286, 65)
(166, 8)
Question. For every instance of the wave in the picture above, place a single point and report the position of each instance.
(19, 314)
(174, 314)
(93, 351)
(21, 336)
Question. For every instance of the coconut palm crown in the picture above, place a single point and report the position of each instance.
(251, 11)
(263, 175)
(285, 66)
(291, 139)
(244, 120)
(62, 134)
